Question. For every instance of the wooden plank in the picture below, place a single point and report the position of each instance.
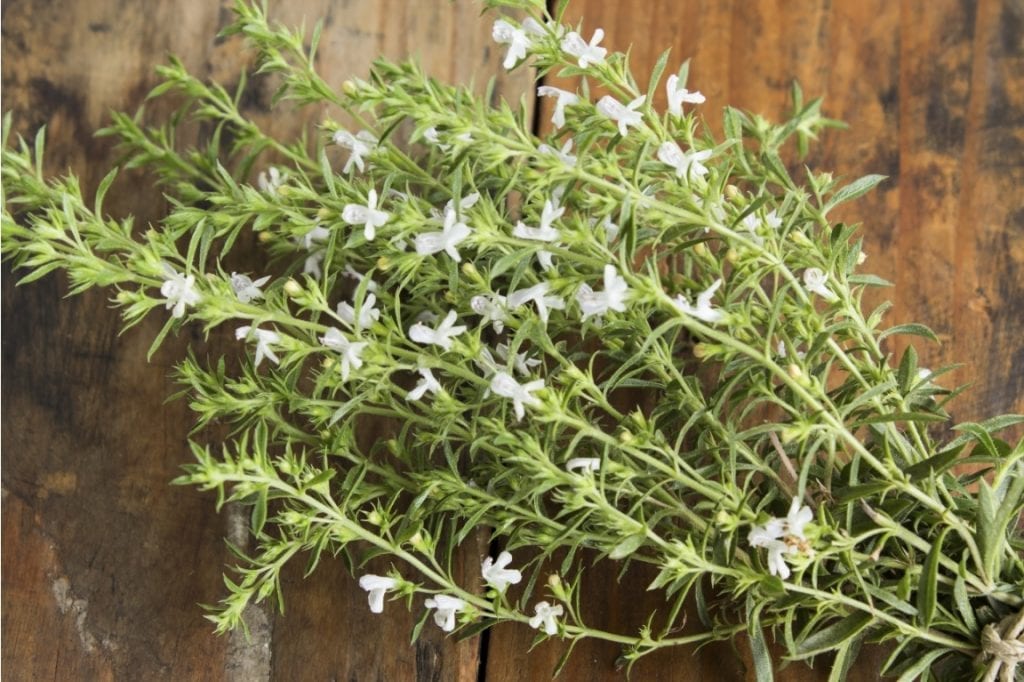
(934, 95)
(104, 563)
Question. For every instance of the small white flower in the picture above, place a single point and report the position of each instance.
(546, 615)
(466, 202)
(923, 374)
(781, 350)
(538, 294)
(351, 273)
(677, 96)
(814, 280)
(270, 180)
(245, 288)
(751, 223)
(179, 290)
(377, 585)
(491, 308)
(497, 575)
(703, 310)
(351, 352)
(516, 39)
(487, 364)
(264, 337)
(311, 240)
(538, 234)
(611, 230)
(563, 99)
(433, 137)
(368, 216)
(427, 384)
(359, 145)
(520, 363)
(782, 537)
(586, 54)
(535, 28)
(612, 298)
(368, 314)
(504, 385)
(446, 608)
(584, 464)
(544, 258)
(687, 165)
(624, 116)
(452, 234)
(773, 220)
(441, 336)
(563, 153)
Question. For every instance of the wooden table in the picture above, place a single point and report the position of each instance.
(104, 563)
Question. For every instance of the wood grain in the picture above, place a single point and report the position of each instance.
(104, 563)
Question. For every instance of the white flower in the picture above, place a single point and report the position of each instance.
(546, 615)
(584, 464)
(677, 96)
(245, 288)
(751, 223)
(485, 361)
(368, 314)
(496, 575)
(520, 363)
(505, 386)
(351, 273)
(270, 180)
(539, 234)
(586, 54)
(359, 145)
(686, 164)
(441, 336)
(611, 230)
(703, 310)
(368, 216)
(451, 235)
(264, 337)
(781, 350)
(427, 384)
(538, 294)
(377, 585)
(447, 607)
(814, 280)
(782, 537)
(431, 135)
(468, 201)
(516, 39)
(624, 116)
(563, 99)
(773, 220)
(535, 28)
(612, 298)
(563, 153)
(351, 352)
(311, 240)
(923, 374)
(491, 308)
(179, 290)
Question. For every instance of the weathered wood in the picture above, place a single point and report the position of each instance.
(104, 563)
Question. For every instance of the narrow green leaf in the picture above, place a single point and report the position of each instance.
(935, 464)
(869, 280)
(259, 512)
(656, 73)
(855, 189)
(920, 665)
(963, 604)
(627, 546)
(758, 646)
(912, 329)
(928, 585)
(820, 641)
(988, 533)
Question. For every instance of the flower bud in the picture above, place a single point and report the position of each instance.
(264, 236)
(701, 351)
(450, 296)
(732, 255)
(327, 362)
(124, 297)
(733, 192)
(794, 371)
(556, 587)
(699, 249)
(861, 257)
(324, 213)
(292, 288)
(374, 518)
(470, 271)
(626, 437)
(349, 87)
(383, 263)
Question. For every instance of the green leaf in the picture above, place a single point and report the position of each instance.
(821, 641)
(988, 533)
(927, 587)
(758, 646)
(627, 546)
(259, 512)
(900, 417)
(869, 280)
(920, 665)
(935, 464)
(855, 189)
(913, 329)
(856, 492)
(656, 72)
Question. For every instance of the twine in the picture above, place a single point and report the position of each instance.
(1003, 647)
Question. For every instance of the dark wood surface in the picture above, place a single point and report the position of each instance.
(104, 563)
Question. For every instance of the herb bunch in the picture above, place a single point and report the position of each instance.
(627, 339)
